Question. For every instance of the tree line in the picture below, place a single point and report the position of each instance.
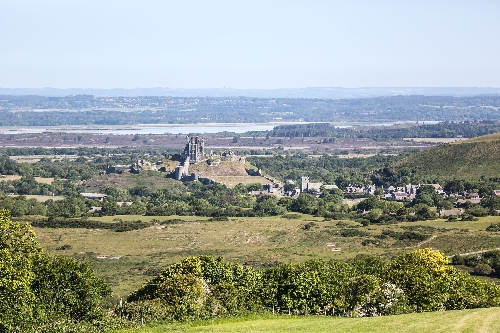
(447, 129)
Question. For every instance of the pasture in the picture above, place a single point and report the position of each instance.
(43, 180)
(128, 259)
(37, 158)
(40, 198)
(435, 140)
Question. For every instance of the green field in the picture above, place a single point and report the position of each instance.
(128, 259)
(466, 321)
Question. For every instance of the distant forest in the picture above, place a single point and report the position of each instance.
(466, 129)
(90, 110)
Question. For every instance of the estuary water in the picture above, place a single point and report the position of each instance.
(169, 129)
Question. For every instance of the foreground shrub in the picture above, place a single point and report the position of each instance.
(39, 293)
(201, 287)
(431, 285)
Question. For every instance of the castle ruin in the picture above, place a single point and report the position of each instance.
(194, 150)
(193, 153)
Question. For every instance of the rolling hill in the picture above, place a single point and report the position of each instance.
(467, 159)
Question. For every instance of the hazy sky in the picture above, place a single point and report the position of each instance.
(249, 43)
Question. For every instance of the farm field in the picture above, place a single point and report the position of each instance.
(36, 158)
(43, 180)
(470, 321)
(359, 155)
(435, 140)
(128, 259)
(40, 198)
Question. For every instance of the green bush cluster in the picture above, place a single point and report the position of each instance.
(119, 226)
(204, 287)
(494, 227)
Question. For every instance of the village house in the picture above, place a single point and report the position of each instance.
(399, 196)
(94, 196)
(450, 212)
(353, 189)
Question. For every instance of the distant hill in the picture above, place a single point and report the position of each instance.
(310, 92)
(467, 159)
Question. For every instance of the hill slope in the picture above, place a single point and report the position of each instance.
(468, 159)
(483, 138)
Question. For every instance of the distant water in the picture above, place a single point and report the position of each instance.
(141, 129)
(167, 129)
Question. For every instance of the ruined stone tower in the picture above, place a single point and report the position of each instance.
(194, 150)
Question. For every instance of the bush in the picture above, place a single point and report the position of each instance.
(64, 247)
(146, 311)
(353, 233)
(493, 227)
(292, 216)
(467, 217)
(482, 269)
(368, 242)
(202, 286)
(308, 226)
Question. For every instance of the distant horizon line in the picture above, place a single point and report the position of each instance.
(230, 88)
(306, 92)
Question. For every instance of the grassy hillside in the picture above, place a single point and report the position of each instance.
(470, 321)
(468, 159)
(484, 138)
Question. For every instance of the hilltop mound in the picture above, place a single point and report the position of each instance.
(468, 159)
(229, 173)
(224, 168)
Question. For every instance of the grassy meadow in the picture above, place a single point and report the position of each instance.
(465, 321)
(128, 259)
